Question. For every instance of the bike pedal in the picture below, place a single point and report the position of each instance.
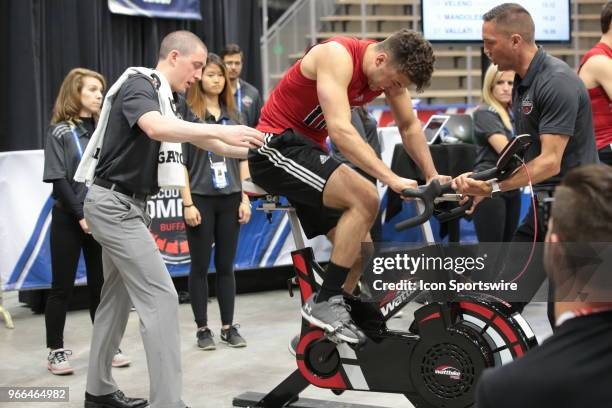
(331, 336)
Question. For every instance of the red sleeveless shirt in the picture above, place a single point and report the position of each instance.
(294, 103)
(600, 103)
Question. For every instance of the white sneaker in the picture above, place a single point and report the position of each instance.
(57, 362)
(121, 360)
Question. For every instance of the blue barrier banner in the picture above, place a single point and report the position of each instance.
(25, 218)
(180, 9)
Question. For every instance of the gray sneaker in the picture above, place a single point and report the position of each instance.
(205, 339)
(333, 317)
(232, 338)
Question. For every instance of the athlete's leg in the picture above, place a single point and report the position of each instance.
(349, 191)
(355, 273)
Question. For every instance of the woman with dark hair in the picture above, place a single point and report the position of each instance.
(214, 206)
(74, 115)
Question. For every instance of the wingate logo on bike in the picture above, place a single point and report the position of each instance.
(413, 264)
(448, 371)
(168, 227)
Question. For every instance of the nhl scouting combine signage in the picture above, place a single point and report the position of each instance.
(168, 227)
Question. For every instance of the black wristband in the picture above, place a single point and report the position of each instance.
(187, 206)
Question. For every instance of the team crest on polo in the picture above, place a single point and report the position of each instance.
(168, 227)
(526, 105)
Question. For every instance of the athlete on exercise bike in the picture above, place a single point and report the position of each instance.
(312, 101)
(437, 362)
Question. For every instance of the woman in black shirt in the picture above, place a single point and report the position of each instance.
(214, 207)
(495, 219)
(76, 109)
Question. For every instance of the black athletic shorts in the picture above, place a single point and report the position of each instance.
(295, 167)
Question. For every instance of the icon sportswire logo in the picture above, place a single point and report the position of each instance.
(448, 371)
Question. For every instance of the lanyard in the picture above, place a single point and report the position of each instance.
(210, 154)
(78, 144)
(238, 98)
(585, 311)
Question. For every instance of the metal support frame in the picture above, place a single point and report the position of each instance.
(363, 19)
(468, 66)
(313, 22)
(576, 40)
(265, 58)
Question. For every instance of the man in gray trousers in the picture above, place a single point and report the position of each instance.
(134, 272)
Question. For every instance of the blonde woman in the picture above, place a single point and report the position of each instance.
(74, 118)
(497, 218)
(214, 207)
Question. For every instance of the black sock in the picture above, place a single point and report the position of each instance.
(332, 283)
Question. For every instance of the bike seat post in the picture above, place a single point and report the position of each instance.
(294, 222)
(296, 230)
(272, 203)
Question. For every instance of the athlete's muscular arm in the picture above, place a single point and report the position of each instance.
(410, 129)
(332, 67)
(597, 71)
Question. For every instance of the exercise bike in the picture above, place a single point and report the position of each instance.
(437, 362)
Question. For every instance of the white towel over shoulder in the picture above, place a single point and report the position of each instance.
(170, 173)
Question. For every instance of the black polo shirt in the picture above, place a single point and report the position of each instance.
(129, 156)
(487, 123)
(552, 99)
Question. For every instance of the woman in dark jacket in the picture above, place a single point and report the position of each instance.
(76, 109)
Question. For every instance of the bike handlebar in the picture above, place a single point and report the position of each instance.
(428, 194)
(509, 159)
